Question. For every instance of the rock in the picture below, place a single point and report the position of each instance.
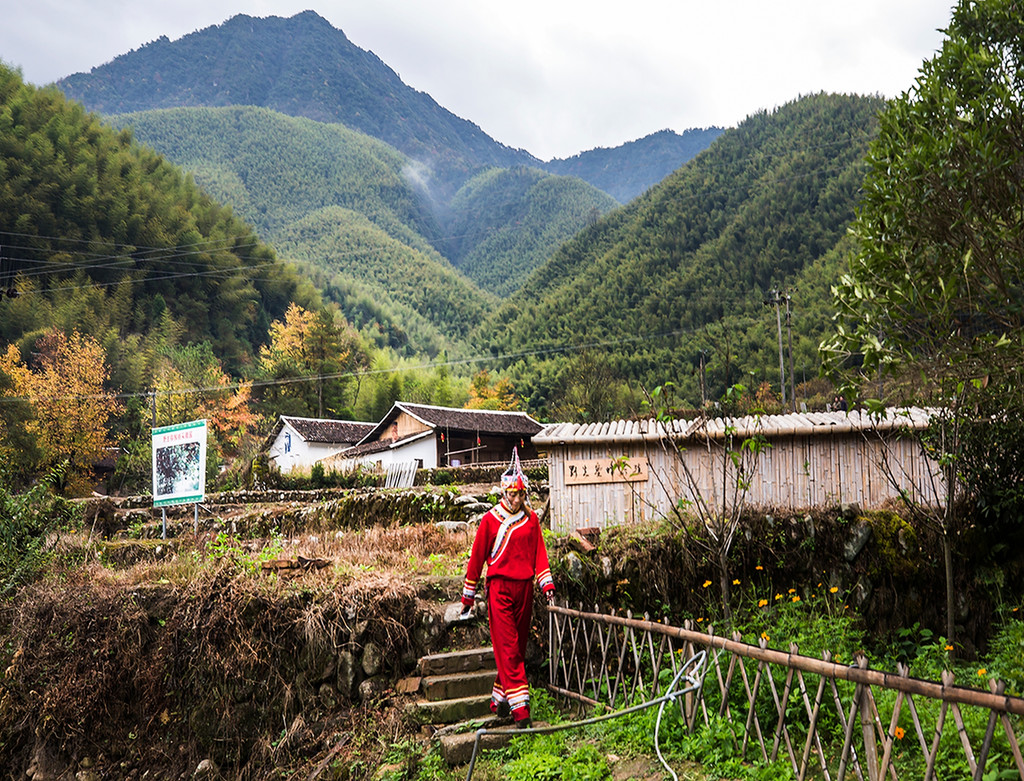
(327, 698)
(45, 764)
(453, 526)
(373, 658)
(849, 510)
(861, 593)
(348, 672)
(575, 566)
(606, 567)
(859, 536)
(372, 689)
(206, 771)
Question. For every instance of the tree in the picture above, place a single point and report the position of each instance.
(716, 506)
(934, 296)
(309, 360)
(499, 396)
(937, 281)
(70, 406)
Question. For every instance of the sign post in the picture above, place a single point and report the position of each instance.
(179, 466)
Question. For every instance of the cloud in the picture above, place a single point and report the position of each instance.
(555, 78)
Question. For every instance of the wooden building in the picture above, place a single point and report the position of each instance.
(429, 437)
(629, 471)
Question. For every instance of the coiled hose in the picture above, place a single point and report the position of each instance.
(695, 666)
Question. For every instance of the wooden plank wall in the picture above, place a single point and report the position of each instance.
(795, 473)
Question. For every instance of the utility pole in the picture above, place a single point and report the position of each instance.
(789, 329)
(703, 378)
(776, 301)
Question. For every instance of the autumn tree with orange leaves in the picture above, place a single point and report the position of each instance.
(190, 384)
(70, 408)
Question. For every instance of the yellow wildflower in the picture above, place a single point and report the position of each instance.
(736, 582)
(759, 568)
(707, 583)
(764, 636)
(796, 598)
(778, 597)
(899, 732)
(762, 602)
(792, 591)
(949, 648)
(982, 672)
(833, 590)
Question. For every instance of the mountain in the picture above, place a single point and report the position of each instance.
(379, 252)
(627, 170)
(301, 66)
(102, 235)
(505, 222)
(340, 202)
(679, 277)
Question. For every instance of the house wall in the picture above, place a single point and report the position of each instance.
(423, 449)
(796, 472)
(405, 425)
(302, 454)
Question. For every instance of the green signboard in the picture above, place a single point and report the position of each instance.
(179, 463)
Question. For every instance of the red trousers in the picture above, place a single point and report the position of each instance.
(510, 608)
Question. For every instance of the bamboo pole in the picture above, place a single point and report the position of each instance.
(866, 676)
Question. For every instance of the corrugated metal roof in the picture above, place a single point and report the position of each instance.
(793, 424)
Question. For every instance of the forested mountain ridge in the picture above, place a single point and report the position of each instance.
(680, 276)
(301, 66)
(376, 252)
(505, 222)
(103, 236)
(627, 170)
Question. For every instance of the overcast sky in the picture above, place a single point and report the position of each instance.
(554, 77)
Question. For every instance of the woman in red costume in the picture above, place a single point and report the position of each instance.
(509, 541)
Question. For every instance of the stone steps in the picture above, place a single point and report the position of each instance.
(454, 694)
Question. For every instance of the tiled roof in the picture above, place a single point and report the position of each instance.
(795, 424)
(379, 445)
(477, 420)
(329, 431)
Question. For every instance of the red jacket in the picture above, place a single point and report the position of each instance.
(512, 546)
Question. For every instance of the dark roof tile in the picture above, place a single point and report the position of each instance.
(330, 431)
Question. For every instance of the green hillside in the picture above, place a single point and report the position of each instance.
(338, 200)
(276, 169)
(104, 236)
(684, 271)
(409, 299)
(506, 222)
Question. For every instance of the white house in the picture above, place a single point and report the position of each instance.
(298, 443)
